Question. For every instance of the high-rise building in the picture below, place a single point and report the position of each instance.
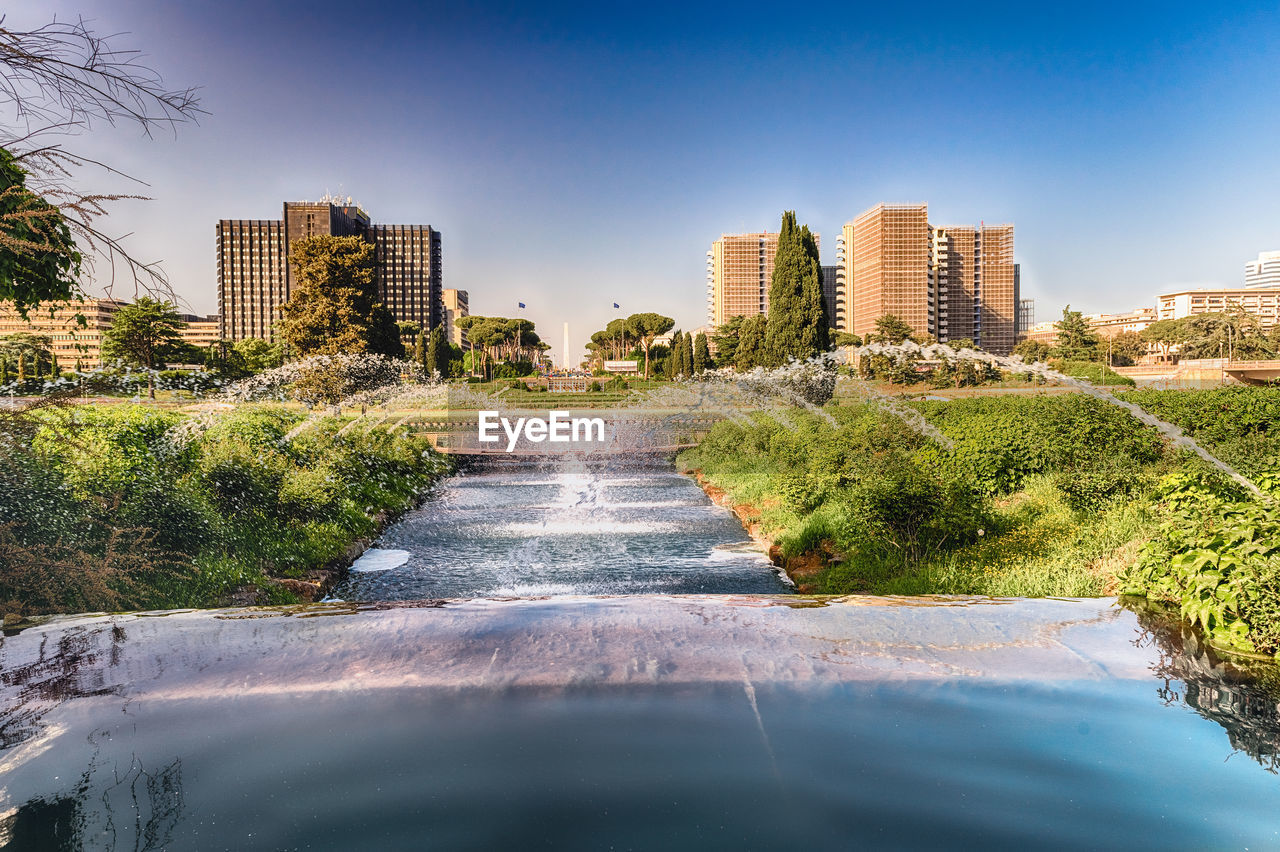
(739, 272)
(831, 295)
(255, 278)
(1263, 272)
(887, 261)
(952, 282)
(456, 306)
(74, 347)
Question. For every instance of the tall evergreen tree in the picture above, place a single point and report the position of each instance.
(438, 353)
(420, 350)
(686, 354)
(143, 334)
(677, 357)
(701, 354)
(749, 353)
(797, 322)
(334, 306)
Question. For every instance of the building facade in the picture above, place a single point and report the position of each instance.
(951, 282)
(1263, 272)
(1261, 302)
(739, 271)
(456, 306)
(74, 347)
(1026, 315)
(255, 278)
(887, 262)
(201, 331)
(832, 298)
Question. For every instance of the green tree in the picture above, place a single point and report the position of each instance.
(686, 354)
(1166, 334)
(797, 325)
(437, 353)
(750, 351)
(1076, 340)
(1032, 351)
(1125, 348)
(259, 355)
(892, 329)
(701, 354)
(643, 328)
(334, 308)
(726, 340)
(38, 258)
(144, 334)
(844, 338)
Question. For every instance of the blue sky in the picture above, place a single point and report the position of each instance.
(578, 155)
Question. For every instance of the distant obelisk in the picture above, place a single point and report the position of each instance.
(565, 363)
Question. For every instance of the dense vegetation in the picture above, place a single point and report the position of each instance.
(1042, 495)
(122, 507)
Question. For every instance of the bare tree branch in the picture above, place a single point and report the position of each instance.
(57, 80)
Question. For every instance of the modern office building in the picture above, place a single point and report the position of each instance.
(74, 347)
(739, 272)
(1261, 302)
(1026, 313)
(1263, 272)
(952, 282)
(456, 306)
(255, 278)
(200, 331)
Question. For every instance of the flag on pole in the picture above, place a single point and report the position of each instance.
(616, 305)
(521, 304)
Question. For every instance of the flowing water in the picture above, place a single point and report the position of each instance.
(564, 524)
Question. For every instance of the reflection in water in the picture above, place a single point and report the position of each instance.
(1230, 693)
(67, 669)
(646, 721)
(136, 810)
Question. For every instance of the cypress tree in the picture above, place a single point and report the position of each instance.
(686, 354)
(797, 322)
(431, 358)
(677, 355)
(750, 343)
(441, 362)
(701, 355)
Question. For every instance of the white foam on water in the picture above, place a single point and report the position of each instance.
(375, 559)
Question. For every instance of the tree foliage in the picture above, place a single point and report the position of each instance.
(643, 328)
(38, 258)
(701, 355)
(1076, 340)
(334, 307)
(797, 325)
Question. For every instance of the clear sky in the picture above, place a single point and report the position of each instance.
(579, 155)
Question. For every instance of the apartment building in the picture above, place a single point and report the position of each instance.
(1026, 314)
(1109, 325)
(1261, 302)
(75, 347)
(952, 282)
(739, 273)
(1263, 272)
(255, 278)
